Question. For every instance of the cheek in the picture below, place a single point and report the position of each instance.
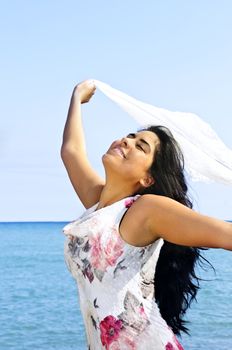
(142, 164)
(136, 166)
(141, 160)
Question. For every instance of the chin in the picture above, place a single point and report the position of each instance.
(109, 161)
(108, 157)
(104, 157)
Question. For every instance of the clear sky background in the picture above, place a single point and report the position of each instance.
(174, 54)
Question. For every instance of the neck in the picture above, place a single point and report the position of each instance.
(113, 192)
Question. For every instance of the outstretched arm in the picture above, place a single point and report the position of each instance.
(178, 224)
(86, 182)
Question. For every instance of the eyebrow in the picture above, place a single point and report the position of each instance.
(142, 140)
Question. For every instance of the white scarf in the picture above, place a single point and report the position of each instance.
(206, 157)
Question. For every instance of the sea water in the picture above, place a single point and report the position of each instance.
(39, 303)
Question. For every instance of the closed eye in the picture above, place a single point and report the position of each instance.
(147, 148)
(133, 136)
(141, 148)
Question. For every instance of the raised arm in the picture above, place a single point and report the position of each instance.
(86, 182)
(178, 224)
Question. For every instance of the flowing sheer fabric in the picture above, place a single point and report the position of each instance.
(207, 158)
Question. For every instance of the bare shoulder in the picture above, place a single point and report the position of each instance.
(134, 227)
(157, 210)
(152, 217)
(141, 224)
(147, 204)
(151, 204)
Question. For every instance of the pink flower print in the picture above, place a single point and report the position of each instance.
(110, 328)
(113, 248)
(96, 251)
(170, 346)
(104, 254)
(179, 346)
(128, 202)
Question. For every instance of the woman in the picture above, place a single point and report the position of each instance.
(134, 250)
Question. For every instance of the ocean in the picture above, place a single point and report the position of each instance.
(39, 303)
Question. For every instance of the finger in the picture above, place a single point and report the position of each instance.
(91, 84)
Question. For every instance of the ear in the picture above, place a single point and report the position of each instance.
(147, 181)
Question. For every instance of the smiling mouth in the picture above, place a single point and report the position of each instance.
(119, 151)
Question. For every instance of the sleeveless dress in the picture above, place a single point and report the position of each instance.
(116, 283)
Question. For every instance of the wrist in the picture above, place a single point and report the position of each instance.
(76, 96)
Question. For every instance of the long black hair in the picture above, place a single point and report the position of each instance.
(176, 283)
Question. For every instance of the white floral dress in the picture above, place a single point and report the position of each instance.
(116, 283)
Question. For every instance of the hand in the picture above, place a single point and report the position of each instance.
(85, 90)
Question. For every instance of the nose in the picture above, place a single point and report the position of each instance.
(126, 141)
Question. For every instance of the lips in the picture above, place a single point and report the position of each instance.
(119, 151)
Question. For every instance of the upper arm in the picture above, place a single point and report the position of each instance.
(86, 182)
(178, 224)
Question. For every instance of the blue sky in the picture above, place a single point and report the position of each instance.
(173, 54)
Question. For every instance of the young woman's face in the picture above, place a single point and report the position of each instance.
(133, 155)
